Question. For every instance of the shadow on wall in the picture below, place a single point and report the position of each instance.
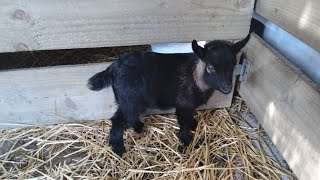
(304, 57)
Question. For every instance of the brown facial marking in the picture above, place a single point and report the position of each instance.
(198, 75)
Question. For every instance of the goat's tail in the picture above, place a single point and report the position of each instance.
(100, 80)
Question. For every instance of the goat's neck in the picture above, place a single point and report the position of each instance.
(198, 75)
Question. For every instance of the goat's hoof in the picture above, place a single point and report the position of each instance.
(194, 125)
(138, 128)
(117, 146)
(185, 138)
(119, 150)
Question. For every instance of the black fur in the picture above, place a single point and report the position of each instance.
(185, 81)
(98, 81)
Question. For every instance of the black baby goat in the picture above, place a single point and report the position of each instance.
(149, 80)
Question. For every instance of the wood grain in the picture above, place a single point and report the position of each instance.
(300, 18)
(27, 25)
(286, 105)
(59, 94)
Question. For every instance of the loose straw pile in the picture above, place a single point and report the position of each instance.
(220, 150)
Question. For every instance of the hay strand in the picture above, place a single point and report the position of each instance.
(221, 149)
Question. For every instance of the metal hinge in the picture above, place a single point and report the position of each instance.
(242, 70)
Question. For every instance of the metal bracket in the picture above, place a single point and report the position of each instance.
(242, 70)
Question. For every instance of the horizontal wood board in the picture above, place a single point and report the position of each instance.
(27, 25)
(287, 106)
(301, 18)
(59, 95)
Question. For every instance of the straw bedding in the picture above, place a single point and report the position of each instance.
(223, 148)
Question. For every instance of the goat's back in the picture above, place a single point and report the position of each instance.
(154, 78)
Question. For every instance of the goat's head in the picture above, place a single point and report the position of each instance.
(218, 59)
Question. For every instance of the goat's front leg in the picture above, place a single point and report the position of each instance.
(186, 122)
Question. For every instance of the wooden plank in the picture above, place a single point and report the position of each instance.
(300, 18)
(59, 94)
(286, 105)
(56, 24)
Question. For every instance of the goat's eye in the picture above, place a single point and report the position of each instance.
(210, 69)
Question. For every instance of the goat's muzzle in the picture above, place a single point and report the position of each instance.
(226, 89)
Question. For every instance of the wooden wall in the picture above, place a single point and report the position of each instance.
(300, 18)
(287, 105)
(59, 94)
(27, 25)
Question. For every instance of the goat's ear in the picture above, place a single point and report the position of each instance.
(240, 44)
(198, 50)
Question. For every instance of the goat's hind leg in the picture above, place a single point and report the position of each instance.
(193, 124)
(133, 119)
(116, 133)
(138, 126)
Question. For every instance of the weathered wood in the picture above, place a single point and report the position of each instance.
(287, 106)
(55, 24)
(300, 18)
(59, 94)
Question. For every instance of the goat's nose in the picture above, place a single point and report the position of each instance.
(226, 88)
